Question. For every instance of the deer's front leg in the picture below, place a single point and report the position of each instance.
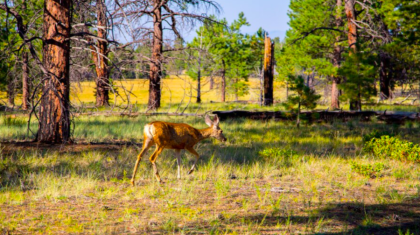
(192, 151)
(146, 145)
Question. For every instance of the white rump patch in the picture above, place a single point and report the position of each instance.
(149, 130)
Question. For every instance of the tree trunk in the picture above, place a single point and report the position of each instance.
(261, 84)
(223, 85)
(298, 116)
(384, 78)
(157, 59)
(54, 117)
(268, 72)
(25, 81)
(236, 89)
(101, 63)
(335, 93)
(199, 80)
(310, 80)
(25, 73)
(355, 103)
(336, 80)
(10, 90)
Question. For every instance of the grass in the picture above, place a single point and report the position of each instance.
(175, 90)
(269, 178)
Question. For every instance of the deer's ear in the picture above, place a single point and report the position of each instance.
(208, 120)
(216, 120)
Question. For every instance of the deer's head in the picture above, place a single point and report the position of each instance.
(216, 131)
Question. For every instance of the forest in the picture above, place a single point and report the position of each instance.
(315, 132)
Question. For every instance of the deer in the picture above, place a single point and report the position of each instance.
(176, 136)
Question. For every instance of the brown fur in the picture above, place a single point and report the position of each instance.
(177, 136)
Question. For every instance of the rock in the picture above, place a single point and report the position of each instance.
(106, 208)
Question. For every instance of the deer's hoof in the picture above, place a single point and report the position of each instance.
(191, 171)
(132, 183)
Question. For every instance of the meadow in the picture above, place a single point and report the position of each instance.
(268, 178)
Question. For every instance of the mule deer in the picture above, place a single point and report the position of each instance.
(176, 136)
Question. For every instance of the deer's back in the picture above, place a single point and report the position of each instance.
(172, 135)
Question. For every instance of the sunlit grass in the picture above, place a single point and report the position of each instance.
(175, 90)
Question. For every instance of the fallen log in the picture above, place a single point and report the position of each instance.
(322, 116)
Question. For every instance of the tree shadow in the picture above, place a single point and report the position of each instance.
(359, 218)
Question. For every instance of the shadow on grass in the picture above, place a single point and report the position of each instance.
(347, 218)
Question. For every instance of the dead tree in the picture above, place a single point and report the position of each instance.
(355, 103)
(25, 81)
(159, 12)
(99, 56)
(25, 74)
(268, 72)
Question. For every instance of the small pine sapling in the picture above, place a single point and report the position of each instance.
(302, 97)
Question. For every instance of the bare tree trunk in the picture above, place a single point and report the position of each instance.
(25, 81)
(384, 78)
(355, 103)
(101, 63)
(335, 93)
(54, 118)
(25, 74)
(223, 85)
(156, 60)
(268, 72)
(262, 84)
(199, 79)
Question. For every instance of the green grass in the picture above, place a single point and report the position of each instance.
(268, 178)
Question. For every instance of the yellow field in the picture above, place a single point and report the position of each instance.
(175, 89)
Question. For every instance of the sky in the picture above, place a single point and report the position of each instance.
(271, 15)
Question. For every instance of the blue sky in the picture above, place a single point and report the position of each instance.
(271, 15)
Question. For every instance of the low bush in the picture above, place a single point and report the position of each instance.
(394, 148)
(368, 170)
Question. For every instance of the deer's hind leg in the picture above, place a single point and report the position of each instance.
(197, 156)
(153, 160)
(147, 143)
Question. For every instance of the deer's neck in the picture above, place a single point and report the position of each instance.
(205, 133)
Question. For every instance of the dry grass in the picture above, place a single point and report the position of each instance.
(174, 90)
